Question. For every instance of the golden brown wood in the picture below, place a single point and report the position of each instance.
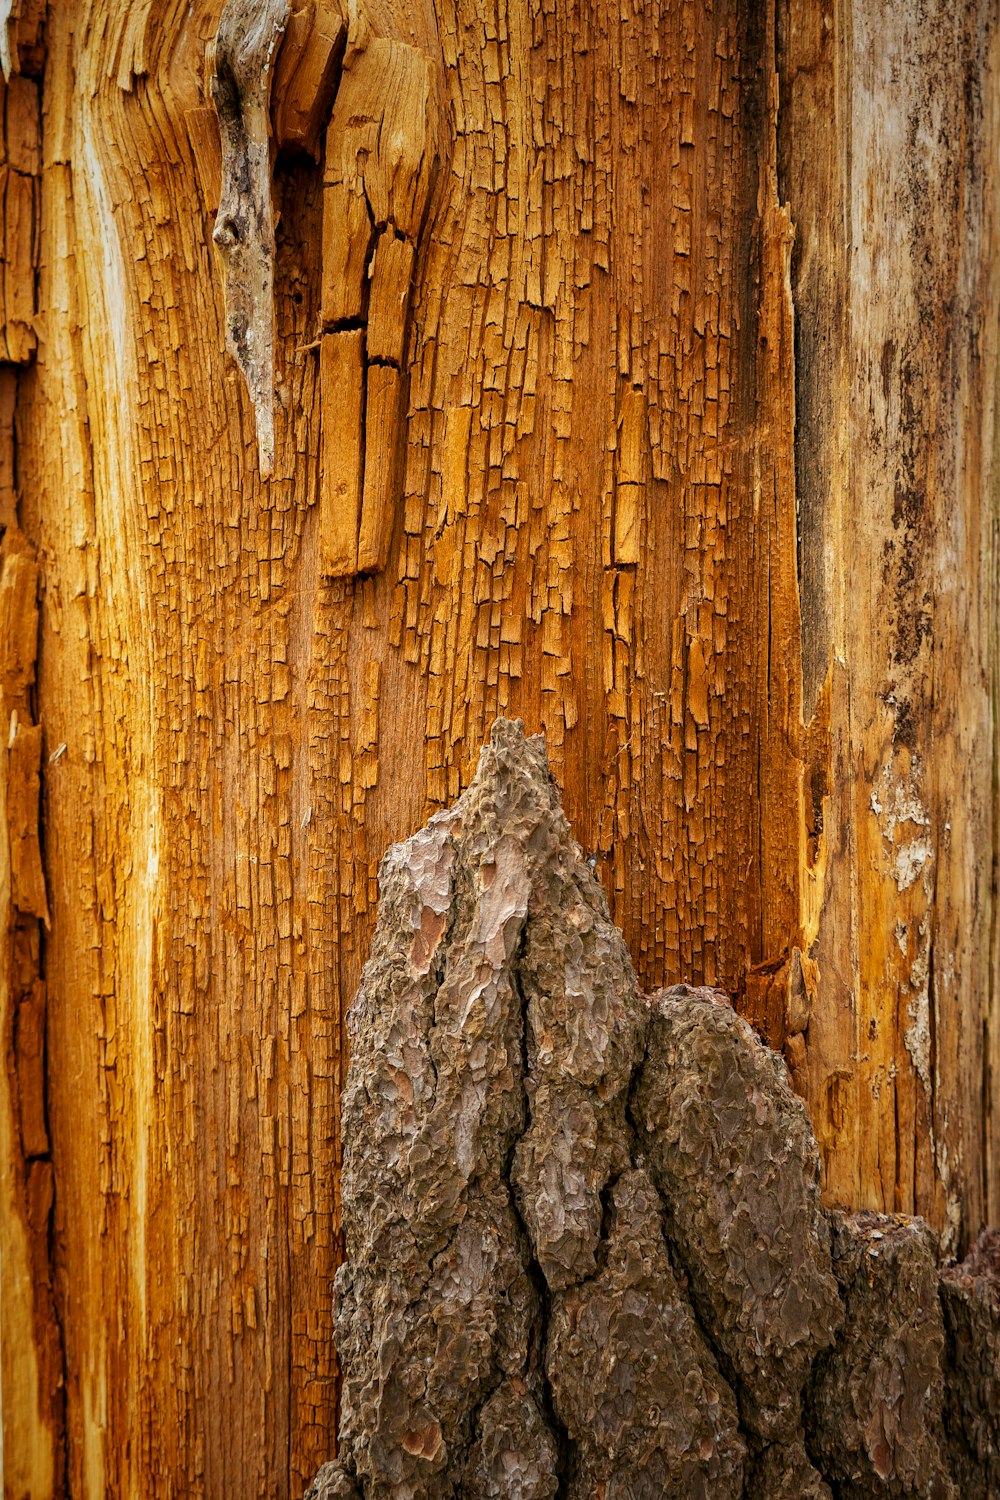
(609, 259)
(306, 72)
(391, 276)
(8, 494)
(381, 467)
(342, 386)
(889, 153)
(382, 157)
(30, 1347)
(32, 1462)
(19, 195)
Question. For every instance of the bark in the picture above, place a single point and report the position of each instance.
(877, 1398)
(970, 1294)
(585, 1250)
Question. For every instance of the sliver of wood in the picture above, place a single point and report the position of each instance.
(381, 155)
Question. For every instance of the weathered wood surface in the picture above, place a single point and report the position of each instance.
(31, 1404)
(32, 1459)
(246, 46)
(593, 505)
(888, 141)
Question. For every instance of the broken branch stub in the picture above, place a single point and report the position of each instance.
(586, 1255)
(246, 45)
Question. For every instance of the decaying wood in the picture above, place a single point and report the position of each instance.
(307, 71)
(32, 1455)
(32, 1461)
(249, 34)
(382, 159)
(888, 136)
(20, 147)
(585, 1249)
(598, 509)
(22, 25)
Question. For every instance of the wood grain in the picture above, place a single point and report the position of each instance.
(888, 148)
(671, 474)
(32, 1455)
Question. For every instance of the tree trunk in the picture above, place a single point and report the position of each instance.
(634, 375)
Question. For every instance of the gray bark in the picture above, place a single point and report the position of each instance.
(970, 1296)
(586, 1254)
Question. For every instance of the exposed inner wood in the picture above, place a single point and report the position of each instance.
(888, 141)
(32, 1453)
(383, 146)
(634, 374)
(246, 45)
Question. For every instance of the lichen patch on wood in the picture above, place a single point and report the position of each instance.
(586, 1254)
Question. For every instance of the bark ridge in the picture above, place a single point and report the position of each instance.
(586, 1254)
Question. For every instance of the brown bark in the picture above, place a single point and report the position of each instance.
(545, 282)
(585, 1250)
(970, 1296)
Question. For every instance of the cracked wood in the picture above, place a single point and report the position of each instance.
(591, 523)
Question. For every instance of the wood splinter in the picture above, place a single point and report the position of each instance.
(246, 45)
(383, 149)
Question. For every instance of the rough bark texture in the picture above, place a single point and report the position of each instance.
(585, 1250)
(733, 1155)
(970, 1294)
(876, 1403)
(634, 1383)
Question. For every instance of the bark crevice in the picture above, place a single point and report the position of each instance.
(534, 1270)
(634, 1289)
